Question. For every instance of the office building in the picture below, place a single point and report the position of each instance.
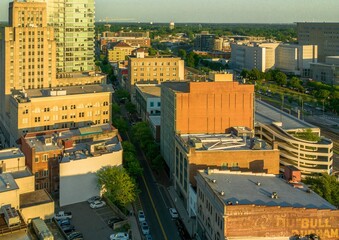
(327, 72)
(202, 107)
(28, 51)
(73, 23)
(234, 151)
(204, 41)
(276, 126)
(119, 52)
(154, 70)
(296, 59)
(253, 55)
(322, 34)
(233, 205)
(148, 101)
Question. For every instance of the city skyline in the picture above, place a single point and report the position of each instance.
(222, 11)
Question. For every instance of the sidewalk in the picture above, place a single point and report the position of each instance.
(134, 225)
(189, 222)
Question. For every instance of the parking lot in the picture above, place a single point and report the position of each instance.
(92, 223)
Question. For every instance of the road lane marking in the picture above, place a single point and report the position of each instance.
(156, 212)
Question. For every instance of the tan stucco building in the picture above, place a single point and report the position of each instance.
(119, 52)
(153, 70)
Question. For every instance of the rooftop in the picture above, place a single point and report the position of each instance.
(62, 91)
(267, 114)
(34, 198)
(7, 182)
(10, 153)
(21, 174)
(222, 142)
(257, 189)
(179, 86)
(149, 90)
(155, 120)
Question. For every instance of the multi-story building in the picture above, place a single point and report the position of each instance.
(236, 150)
(28, 51)
(119, 52)
(233, 205)
(67, 107)
(11, 160)
(63, 159)
(73, 23)
(278, 127)
(202, 107)
(295, 58)
(253, 55)
(155, 70)
(204, 41)
(147, 98)
(322, 34)
(327, 72)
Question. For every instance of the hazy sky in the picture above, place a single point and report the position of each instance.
(218, 11)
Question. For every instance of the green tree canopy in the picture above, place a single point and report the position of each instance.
(119, 187)
(280, 78)
(182, 53)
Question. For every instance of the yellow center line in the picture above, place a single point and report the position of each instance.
(156, 212)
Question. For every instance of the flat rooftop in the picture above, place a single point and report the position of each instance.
(156, 120)
(21, 174)
(219, 142)
(267, 114)
(63, 91)
(149, 90)
(7, 182)
(10, 153)
(244, 189)
(34, 198)
(177, 86)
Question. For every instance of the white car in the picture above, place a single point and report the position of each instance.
(93, 199)
(173, 212)
(97, 204)
(144, 228)
(119, 236)
(141, 216)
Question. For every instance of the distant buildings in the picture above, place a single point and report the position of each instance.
(153, 69)
(204, 41)
(322, 34)
(234, 205)
(254, 55)
(327, 72)
(119, 52)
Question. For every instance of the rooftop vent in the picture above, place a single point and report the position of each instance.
(214, 180)
(222, 193)
(274, 195)
(7, 185)
(258, 183)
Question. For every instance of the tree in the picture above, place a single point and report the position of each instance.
(280, 78)
(152, 51)
(308, 135)
(131, 108)
(182, 53)
(119, 187)
(115, 109)
(121, 124)
(190, 59)
(245, 73)
(326, 186)
(128, 147)
(158, 163)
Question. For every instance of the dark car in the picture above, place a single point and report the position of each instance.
(75, 235)
(64, 222)
(68, 228)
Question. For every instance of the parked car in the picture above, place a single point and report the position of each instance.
(93, 199)
(64, 222)
(141, 216)
(148, 237)
(119, 236)
(97, 204)
(63, 215)
(68, 229)
(144, 228)
(173, 212)
(75, 235)
(113, 220)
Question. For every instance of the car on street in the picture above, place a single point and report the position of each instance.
(64, 222)
(97, 204)
(174, 213)
(119, 236)
(75, 235)
(144, 228)
(148, 237)
(93, 199)
(68, 229)
(63, 215)
(141, 216)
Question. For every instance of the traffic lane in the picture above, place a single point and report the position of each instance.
(168, 224)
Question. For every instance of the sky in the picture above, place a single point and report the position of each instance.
(212, 11)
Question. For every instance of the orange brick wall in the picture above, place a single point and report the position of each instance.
(248, 160)
(260, 221)
(214, 107)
